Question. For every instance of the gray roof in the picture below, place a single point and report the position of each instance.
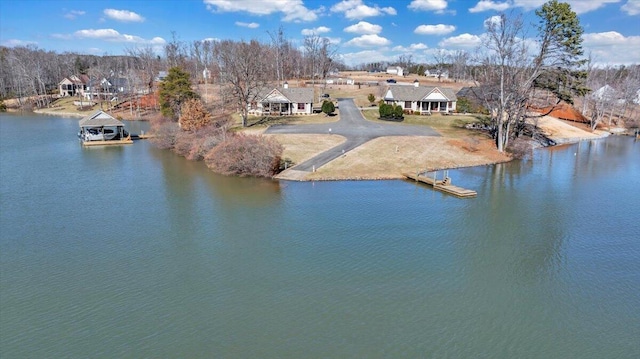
(413, 93)
(293, 94)
(100, 119)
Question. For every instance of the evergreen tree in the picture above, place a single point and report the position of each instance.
(174, 91)
(328, 107)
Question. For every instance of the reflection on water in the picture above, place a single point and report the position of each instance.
(132, 251)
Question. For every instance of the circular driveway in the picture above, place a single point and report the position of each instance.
(354, 127)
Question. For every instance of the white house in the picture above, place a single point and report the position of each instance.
(73, 85)
(340, 81)
(281, 101)
(395, 70)
(434, 74)
(422, 99)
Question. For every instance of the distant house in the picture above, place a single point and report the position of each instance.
(283, 101)
(436, 75)
(422, 99)
(73, 85)
(340, 81)
(395, 70)
(107, 87)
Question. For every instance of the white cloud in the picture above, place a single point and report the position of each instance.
(16, 43)
(71, 15)
(411, 48)
(632, 7)
(210, 39)
(369, 40)
(579, 6)
(315, 31)
(463, 41)
(355, 58)
(612, 48)
(428, 5)
(494, 20)
(251, 25)
(363, 27)
(486, 5)
(123, 15)
(439, 29)
(293, 10)
(334, 40)
(356, 9)
(111, 35)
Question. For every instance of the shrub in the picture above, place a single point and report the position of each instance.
(183, 142)
(398, 112)
(193, 115)
(246, 155)
(371, 98)
(328, 107)
(386, 111)
(165, 134)
(205, 140)
(3, 107)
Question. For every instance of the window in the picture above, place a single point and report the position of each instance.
(301, 106)
(407, 104)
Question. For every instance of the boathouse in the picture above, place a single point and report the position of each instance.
(100, 128)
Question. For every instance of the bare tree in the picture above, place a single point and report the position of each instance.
(510, 73)
(440, 59)
(460, 64)
(242, 68)
(279, 49)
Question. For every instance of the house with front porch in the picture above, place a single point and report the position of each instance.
(73, 85)
(282, 101)
(422, 100)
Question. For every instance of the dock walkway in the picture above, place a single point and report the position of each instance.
(442, 185)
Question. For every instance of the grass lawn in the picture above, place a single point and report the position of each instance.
(448, 126)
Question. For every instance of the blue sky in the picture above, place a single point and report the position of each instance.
(362, 30)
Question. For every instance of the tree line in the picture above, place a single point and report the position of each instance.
(511, 73)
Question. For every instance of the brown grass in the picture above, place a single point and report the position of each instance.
(389, 157)
(450, 125)
(299, 148)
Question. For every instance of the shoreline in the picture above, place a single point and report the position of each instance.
(377, 160)
(299, 176)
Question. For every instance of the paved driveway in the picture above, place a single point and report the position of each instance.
(354, 127)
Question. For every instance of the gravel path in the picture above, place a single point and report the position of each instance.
(354, 127)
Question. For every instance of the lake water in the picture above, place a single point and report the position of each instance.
(134, 252)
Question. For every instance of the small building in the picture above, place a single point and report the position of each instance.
(339, 81)
(395, 70)
(73, 85)
(282, 101)
(437, 74)
(422, 99)
(100, 128)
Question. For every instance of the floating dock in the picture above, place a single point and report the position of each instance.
(125, 141)
(442, 185)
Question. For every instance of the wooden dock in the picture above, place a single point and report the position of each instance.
(125, 141)
(442, 185)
